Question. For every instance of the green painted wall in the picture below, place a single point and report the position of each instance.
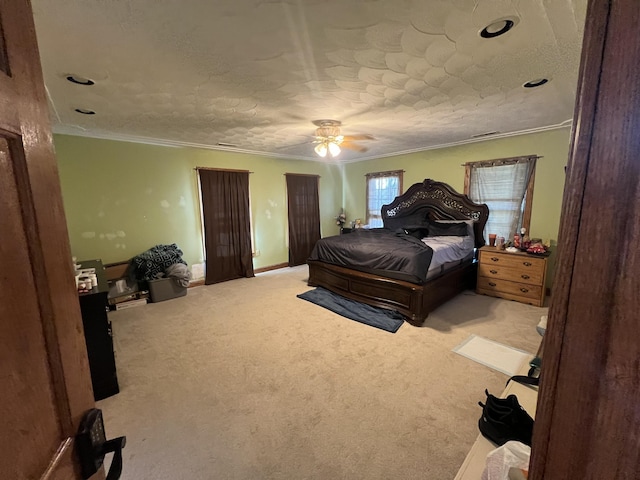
(122, 198)
(445, 164)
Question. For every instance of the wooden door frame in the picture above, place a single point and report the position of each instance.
(26, 126)
(587, 420)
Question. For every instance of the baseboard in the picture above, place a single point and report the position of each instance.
(271, 267)
(197, 283)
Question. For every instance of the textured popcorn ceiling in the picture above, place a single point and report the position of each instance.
(255, 73)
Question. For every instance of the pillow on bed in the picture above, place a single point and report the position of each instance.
(447, 229)
(418, 231)
(470, 225)
(416, 219)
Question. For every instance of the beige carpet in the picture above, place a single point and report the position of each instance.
(242, 380)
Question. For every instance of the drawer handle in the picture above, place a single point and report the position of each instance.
(527, 264)
(491, 284)
(526, 277)
(494, 259)
(524, 290)
(493, 271)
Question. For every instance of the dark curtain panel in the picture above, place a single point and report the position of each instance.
(304, 217)
(227, 228)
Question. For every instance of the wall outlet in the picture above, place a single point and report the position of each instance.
(256, 253)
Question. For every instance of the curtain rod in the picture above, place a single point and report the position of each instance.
(502, 161)
(383, 174)
(221, 169)
(301, 175)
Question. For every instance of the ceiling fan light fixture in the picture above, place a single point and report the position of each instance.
(328, 131)
(328, 139)
(321, 150)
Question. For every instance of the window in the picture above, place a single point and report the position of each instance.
(382, 188)
(506, 186)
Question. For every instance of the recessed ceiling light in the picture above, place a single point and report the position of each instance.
(536, 83)
(498, 27)
(85, 111)
(80, 80)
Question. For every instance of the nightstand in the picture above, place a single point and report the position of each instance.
(515, 276)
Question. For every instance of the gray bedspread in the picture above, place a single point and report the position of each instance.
(379, 251)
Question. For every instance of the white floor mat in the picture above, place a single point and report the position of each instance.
(495, 355)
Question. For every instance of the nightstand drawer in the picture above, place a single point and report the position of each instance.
(525, 264)
(531, 276)
(498, 286)
(494, 286)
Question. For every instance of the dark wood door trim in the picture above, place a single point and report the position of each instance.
(48, 300)
(43, 212)
(576, 171)
(587, 418)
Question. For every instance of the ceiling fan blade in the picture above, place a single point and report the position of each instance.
(353, 146)
(361, 136)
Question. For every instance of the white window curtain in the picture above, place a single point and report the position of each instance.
(502, 186)
(382, 189)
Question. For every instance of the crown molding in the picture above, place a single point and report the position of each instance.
(70, 130)
(565, 124)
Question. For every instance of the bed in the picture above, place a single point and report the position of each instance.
(413, 297)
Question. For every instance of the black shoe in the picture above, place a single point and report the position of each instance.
(501, 405)
(505, 419)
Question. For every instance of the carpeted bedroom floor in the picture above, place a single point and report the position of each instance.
(242, 380)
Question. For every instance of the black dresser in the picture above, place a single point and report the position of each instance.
(97, 334)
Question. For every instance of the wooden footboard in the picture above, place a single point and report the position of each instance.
(411, 300)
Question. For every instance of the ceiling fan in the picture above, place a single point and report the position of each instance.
(329, 140)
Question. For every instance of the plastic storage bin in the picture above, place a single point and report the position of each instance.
(165, 289)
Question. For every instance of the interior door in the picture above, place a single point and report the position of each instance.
(45, 385)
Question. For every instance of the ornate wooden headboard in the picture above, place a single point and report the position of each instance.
(438, 201)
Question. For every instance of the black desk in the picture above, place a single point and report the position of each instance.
(98, 335)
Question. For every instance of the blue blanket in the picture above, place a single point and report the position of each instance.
(382, 318)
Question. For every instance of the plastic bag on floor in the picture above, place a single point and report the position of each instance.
(511, 455)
